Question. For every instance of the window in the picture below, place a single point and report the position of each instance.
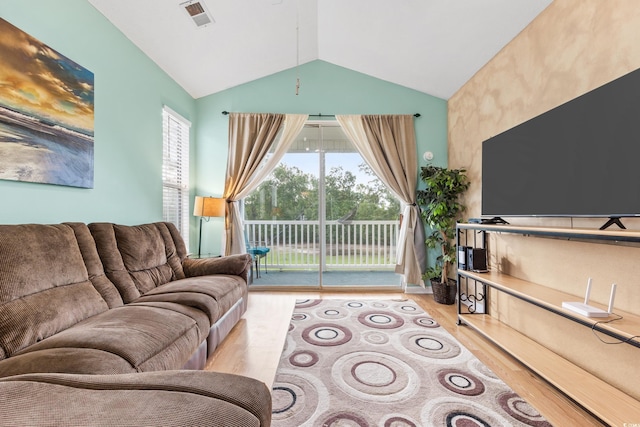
(175, 171)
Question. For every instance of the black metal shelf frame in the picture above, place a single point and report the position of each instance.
(472, 299)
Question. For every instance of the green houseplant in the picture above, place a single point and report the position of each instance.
(440, 209)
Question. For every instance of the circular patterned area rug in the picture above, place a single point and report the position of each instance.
(385, 363)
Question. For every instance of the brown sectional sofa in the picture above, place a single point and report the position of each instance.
(110, 316)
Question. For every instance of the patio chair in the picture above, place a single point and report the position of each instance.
(257, 253)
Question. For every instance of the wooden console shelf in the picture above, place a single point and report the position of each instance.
(611, 405)
(624, 329)
(608, 404)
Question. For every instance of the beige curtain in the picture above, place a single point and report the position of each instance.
(251, 137)
(388, 145)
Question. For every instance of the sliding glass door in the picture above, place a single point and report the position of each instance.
(327, 220)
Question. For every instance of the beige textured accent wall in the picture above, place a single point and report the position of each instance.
(572, 47)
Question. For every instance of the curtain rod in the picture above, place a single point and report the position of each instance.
(320, 114)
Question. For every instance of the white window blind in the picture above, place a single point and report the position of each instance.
(175, 171)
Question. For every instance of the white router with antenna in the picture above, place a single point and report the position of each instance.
(585, 309)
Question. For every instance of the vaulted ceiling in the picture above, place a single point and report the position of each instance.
(432, 46)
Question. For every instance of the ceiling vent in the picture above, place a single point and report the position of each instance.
(198, 12)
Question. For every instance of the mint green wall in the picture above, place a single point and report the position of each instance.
(130, 91)
(325, 88)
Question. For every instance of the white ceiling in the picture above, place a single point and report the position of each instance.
(433, 46)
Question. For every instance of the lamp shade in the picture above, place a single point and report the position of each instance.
(208, 206)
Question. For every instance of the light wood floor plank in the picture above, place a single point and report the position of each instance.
(254, 346)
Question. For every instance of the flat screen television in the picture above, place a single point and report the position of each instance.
(580, 159)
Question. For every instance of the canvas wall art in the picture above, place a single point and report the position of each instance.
(46, 113)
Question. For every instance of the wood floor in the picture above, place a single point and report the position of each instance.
(254, 346)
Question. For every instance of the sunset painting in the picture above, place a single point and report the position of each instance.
(46, 113)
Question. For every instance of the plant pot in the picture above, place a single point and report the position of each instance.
(444, 293)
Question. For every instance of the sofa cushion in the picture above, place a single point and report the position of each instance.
(148, 338)
(237, 265)
(44, 285)
(176, 398)
(212, 294)
(199, 316)
(94, 266)
(68, 360)
(107, 247)
(138, 258)
(203, 303)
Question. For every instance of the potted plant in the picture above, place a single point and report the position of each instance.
(440, 210)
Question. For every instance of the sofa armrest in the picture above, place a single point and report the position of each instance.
(237, 265)
(165, 398)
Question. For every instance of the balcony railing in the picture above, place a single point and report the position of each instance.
(352, 245)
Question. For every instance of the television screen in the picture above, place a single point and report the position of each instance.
(579, 159)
